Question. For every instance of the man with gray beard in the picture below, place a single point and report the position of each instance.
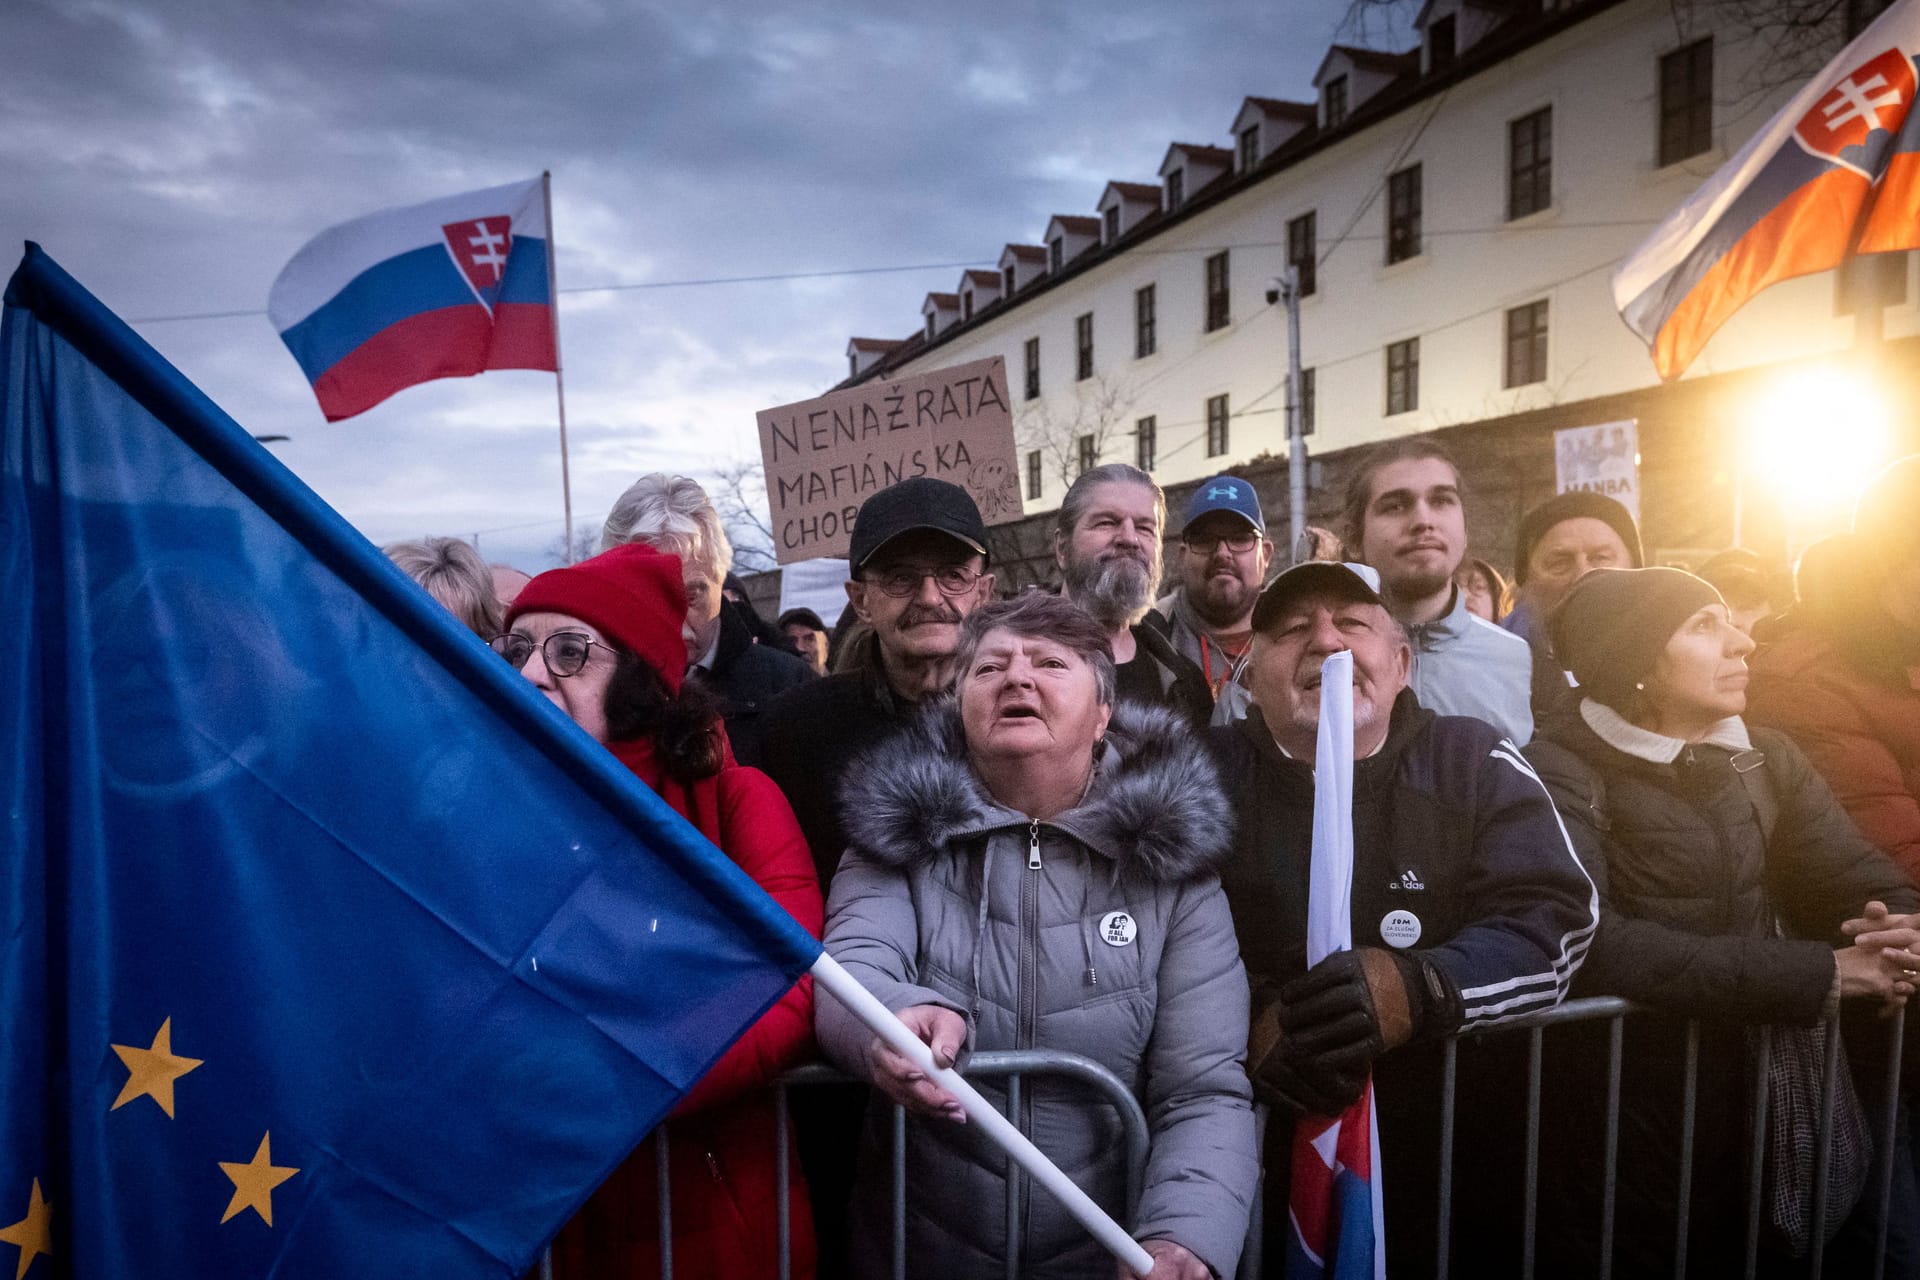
(1107, 543)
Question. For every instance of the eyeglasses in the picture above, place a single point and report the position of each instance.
(1203, 544)
(563, 652)
(954, 580)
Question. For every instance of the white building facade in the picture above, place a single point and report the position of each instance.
(1459, 208)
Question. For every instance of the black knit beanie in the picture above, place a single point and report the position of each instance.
(1572, 506)
(1613, 626)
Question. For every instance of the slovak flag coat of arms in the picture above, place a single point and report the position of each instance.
(445, 289)
(1835, 173)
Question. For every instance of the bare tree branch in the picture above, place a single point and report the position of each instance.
(1099, 411)
(739, 493)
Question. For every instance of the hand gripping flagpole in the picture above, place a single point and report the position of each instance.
(842, 986)
(559, 382)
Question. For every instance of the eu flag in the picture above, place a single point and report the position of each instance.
(327, 947)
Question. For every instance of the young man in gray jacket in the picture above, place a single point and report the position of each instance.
(1407, 519)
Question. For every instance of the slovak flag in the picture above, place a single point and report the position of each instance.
(1835, 173)
(1336, 1226)
(445, 289)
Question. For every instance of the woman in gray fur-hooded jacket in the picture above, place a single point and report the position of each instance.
(1034, 868)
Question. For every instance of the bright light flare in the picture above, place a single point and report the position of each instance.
(1817, 437)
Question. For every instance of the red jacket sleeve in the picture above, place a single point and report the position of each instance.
(759, 832)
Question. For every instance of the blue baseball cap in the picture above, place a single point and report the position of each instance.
(1226, 493)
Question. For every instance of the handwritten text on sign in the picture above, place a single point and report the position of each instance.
(1603, 459)
(825, 457)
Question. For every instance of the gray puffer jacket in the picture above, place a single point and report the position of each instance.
(1102, 932)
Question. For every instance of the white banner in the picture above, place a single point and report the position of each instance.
(1603, 459)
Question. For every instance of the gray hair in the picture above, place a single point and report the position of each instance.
(1074, 505)
(453, 573)
(1042, 615)
(671, 514)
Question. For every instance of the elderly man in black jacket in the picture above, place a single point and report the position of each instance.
(1469, 906)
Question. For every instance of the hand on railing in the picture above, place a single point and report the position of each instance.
(943, 1032)
(1884, 959)
(1170, 1262)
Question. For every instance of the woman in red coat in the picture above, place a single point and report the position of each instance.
(602, 639)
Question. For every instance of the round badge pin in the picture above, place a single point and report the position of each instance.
(1400, 929)
(1117, 929)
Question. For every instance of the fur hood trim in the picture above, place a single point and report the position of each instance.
(1156, 805)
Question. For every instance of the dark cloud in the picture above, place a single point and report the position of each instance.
(174, 155)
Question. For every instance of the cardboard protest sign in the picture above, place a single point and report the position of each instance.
(825, 457)
(1603, 459)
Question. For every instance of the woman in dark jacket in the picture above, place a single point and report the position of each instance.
(1731, 883)
(602, 639)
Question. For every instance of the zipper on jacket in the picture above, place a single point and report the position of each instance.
(1033, 846)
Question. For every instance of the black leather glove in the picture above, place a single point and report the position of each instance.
(1358, 1003)
(1296, 1082)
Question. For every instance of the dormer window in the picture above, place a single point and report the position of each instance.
(1112, 223)
(966, 305)
(1440, 44)
(1008, 275)
(1249, 147)
(930, 322)
(1056, 253)
(853, 366)
(1176, 188)
(1336, 100)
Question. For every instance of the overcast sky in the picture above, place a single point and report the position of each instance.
(173, 156)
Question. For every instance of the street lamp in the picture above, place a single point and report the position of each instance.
(1814, 438)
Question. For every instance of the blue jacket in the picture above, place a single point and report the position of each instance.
(1464, 665)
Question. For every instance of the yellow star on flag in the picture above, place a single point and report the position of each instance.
(33, 1234)
(253, 1182)
(151, 1072)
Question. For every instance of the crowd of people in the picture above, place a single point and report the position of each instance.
(1081, 819)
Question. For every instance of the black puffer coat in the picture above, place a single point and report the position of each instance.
(1690, 890)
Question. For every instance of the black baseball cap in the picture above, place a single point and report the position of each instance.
(919, 503)
(1359, 582)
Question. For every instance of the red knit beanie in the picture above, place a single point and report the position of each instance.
(632, 594)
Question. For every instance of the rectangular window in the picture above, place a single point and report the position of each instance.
(1083, 347)
(1403, 376)
(1219, 314)
(1301, 251)
(1144, 342)
(1216, 425)
(1403, 215)
(1056, 250)
(853, 366)
(1145, 445)
(1686, 102)
(1007, 276)
(1530, 163)
(1176, 188)
(930, 328)
(1033, 368)
(1112, 216)
(1440, 43)
(1336, 98)
(1033, 473)
(966, 305)
(1249, 147)
(1306, 402)
(1527, 344)
(1085, 454)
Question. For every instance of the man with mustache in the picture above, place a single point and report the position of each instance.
(1224, 555)
(1107, 544)
(1469, 906)
(919, 562)
(1406, 517)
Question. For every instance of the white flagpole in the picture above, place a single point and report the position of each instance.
(559, 383)
(841, 985)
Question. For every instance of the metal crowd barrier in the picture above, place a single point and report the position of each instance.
(1015, 1066)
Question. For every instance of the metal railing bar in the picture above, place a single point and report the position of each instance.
(1013, 1184)
(781, 1178)
(899, 1192)
(1616, 1056)
(666, 1201)
(1689, 1100)
(1897, 1033)
(1823, 1151)
(1530, 1208)
(1757, 1148)
(1443, 1246)
(1585, 1009)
